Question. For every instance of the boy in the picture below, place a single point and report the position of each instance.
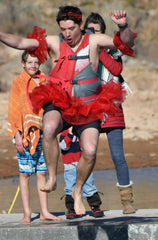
(71, 152)
(25, 128)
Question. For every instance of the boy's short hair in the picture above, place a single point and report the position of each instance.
(69, 13)
(24, 56)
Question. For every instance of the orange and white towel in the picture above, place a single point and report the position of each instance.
(20, 116)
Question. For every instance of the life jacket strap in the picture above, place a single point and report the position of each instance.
(88, 97)
(83, 81)
(74, 57)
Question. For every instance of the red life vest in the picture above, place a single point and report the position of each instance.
(74, 69)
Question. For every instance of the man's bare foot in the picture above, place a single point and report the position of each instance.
(26, 220)
(50, 186)
(49, 216)
(78, 203)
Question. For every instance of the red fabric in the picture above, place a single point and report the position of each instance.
(64, 67)
(74, 152)
(74, 111)
(41, 51)
(116, 120)
(113, 66)
(122, 46)
(71, 157)
(71, 14)
(67, 138)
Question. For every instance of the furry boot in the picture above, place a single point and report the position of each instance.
(126, 195)
(94, 203)
(69, 203)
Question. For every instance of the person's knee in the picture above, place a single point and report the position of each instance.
(24, 176)
(52, 124)
(41, 175)
(49, 129)
(89, 142)
(89, 153)
(118, 157)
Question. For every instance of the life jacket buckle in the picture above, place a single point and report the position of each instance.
(71, 81)
(72, 57)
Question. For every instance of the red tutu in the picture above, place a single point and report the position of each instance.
(41, 51)
(75, 111)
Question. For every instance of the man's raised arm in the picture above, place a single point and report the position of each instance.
(119, 17)
(18, 42)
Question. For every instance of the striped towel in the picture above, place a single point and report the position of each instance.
(20, 116)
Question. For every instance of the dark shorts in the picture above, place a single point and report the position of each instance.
(77, 129)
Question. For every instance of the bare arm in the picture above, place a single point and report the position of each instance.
(53, 44)
(18, 42)
(105, 41)
(119, 18)
(19, 143)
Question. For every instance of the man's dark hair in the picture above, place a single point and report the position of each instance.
(69, 13)
(95, 18)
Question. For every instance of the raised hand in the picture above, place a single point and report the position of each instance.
(118, 17)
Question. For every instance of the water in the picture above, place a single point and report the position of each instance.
(145, 190)
(137, 175)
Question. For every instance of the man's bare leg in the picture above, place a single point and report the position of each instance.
(89, 142)
(52, 125)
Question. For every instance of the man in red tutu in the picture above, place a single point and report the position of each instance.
(74, 95)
